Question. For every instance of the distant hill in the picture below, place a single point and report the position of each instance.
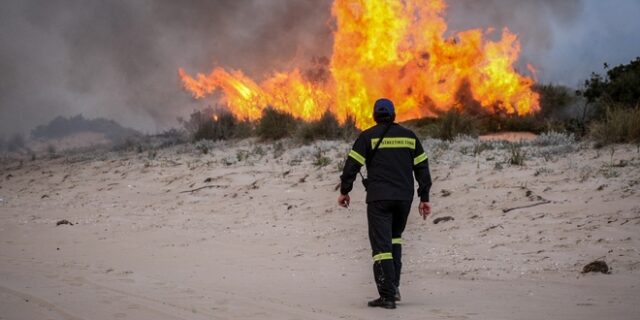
(61, 127)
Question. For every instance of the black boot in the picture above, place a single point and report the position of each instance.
(398, 296)
(383, 303)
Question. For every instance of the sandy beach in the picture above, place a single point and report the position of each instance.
(252, 230)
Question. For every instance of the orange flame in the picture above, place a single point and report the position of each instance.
(393, 49)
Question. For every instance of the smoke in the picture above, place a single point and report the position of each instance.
(564, 40)
(119, 59)
(533, 21)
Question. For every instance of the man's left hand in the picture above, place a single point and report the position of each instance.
(425, 209)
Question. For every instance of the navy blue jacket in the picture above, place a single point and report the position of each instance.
(399, 158)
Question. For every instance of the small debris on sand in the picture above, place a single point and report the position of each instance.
(596, 266)
(445, 193)
(443, 219)
(526, 206)
(492, 227)
(63, 221)
(620, 164)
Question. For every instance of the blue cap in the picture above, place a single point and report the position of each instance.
(383, 106)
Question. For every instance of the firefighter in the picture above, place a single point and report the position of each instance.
(391, 166)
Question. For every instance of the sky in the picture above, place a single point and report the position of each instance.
(119, 59)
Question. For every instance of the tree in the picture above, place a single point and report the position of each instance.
(620, 86)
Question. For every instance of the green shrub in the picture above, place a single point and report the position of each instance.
(275, 124)
(454, 123)
(328, 128)
(171, 137)
(222, 126)
(620, 86)
(502, 122)
(320, 160)
(620, 125)
(517, 155)
(210, 124)
(348, 129)
(278, 150)
(423, 127)
(243, 129)
(446, 126)
(478, 148)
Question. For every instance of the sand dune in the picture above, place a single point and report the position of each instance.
(252, 231)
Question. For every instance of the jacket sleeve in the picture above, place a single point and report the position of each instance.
(421, 171)
(355, 160)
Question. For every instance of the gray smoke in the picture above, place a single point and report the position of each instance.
(533, 21)
(565, 40)
(119, 59)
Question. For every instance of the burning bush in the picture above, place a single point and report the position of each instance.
(411, 55)
(208, 124)
(222, 127)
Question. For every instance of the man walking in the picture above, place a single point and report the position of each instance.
(392, 155)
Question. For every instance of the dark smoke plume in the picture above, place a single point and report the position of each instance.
(119, 59)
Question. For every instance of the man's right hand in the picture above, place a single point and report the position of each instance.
(425, 209)
(343, 200)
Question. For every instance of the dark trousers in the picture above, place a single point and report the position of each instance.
(387, 220)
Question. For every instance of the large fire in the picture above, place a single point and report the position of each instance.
(393, 49)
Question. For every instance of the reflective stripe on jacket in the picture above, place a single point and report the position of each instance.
(391, 171)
